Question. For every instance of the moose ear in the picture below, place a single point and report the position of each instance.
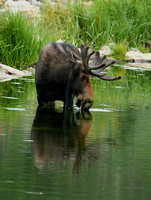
(73, 57)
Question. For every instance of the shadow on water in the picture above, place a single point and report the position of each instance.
(59, 138)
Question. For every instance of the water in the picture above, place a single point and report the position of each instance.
(104, 154)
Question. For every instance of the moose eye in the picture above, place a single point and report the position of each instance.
(83, 77)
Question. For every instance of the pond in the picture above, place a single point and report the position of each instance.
(104, 154)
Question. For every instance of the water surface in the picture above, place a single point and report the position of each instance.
(104, 154)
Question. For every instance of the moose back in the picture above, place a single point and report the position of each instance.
(63, 72)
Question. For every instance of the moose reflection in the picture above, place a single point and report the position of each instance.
(59, 138)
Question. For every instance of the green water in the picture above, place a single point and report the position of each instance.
(104, 154)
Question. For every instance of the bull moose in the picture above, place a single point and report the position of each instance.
(63, 72)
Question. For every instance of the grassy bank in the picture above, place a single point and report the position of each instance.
(126, 23)
(102, 22)
(20, 39)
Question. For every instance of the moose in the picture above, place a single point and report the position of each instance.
(63, 73)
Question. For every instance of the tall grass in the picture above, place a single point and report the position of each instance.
(20, 39)
(126, 23)
(102, 22)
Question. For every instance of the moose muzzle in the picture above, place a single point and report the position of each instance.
(85, 104)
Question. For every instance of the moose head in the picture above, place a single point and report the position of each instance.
(63, 73)
(85, 98)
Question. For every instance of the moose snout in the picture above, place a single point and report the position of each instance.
(85, 104)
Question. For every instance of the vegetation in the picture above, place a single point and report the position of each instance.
(126, 23)
(102, 22)
(20, 39)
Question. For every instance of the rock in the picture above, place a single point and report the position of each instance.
(142, 65)
(89, 3)
(31, 69)
(10, 70)
(111, 44)
(24, 6)
(134, 55)
(6, 77)
(36, 3)
(8, 73)
(105, 50)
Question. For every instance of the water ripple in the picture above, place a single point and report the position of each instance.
(19, 109)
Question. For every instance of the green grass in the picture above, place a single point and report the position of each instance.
(102, 22)
(127, 23)
(20, 39)
(119, 50)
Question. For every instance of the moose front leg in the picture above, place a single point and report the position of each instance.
(69, 97)
(71, 87)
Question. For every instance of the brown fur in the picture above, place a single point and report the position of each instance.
(58, 77)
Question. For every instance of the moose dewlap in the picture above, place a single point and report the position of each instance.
(63, 72)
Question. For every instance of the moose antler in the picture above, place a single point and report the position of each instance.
(85, 59)
(98, 64)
